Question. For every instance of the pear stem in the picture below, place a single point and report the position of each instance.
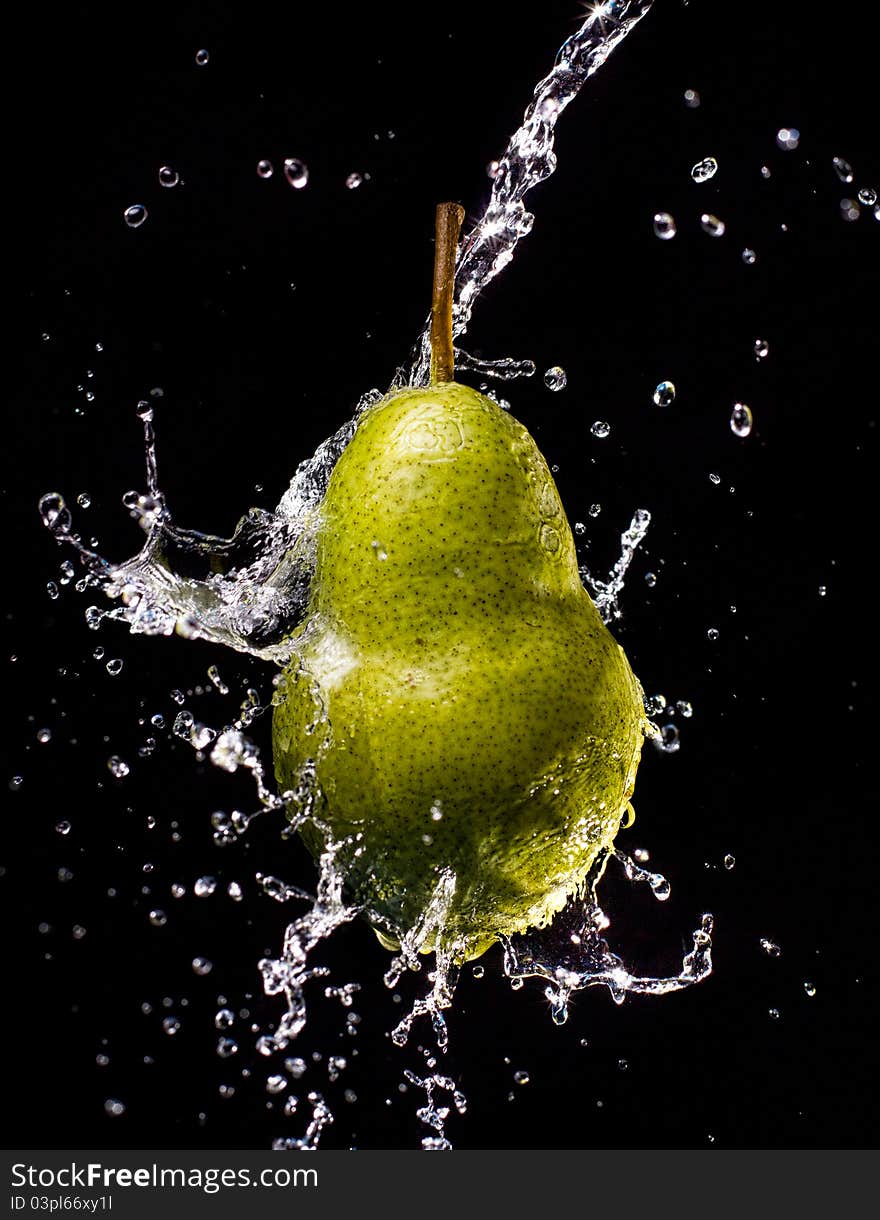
(447, 227)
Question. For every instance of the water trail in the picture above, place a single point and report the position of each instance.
(529, 159)
(572, 953)
(606, 593)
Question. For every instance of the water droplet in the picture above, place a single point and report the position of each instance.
(868, 196)
(788, 138)
(492, 169)
(170, 1025)
(118, 767)
(202, 57)
(849, 209)
(713, 634)
(765, 171)
(749, 257)
(556, 378)
(55, 513)
(691, 99)
(205, 886)
(595, 509)
(668, 742)
(664, 226)
(770, 947)
(704, 170)
(823, 590)
(715, 478)
(202, 965)
(810, 988)
(580, 529)
(227, 1047)
(843, 169)
(521, 1077)
(158, 918)
(650, 579)
(740, 419)
(773, 1014)
(622, 1065)
(62, 828)
(712, 225)
(600, 429)
(296, 172)
(53, 590)
(276, 1084)
(664, 394)
(655, 704)
(224, 1018)
(114, 1107)
(353, 181)
(168, 177)
(135, 216)
(762, 349)
(265, 169)
(729, 862)
(684, 708)
(114, 667)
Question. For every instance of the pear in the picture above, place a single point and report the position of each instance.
(472, 722)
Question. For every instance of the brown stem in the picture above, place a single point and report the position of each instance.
(448, 225)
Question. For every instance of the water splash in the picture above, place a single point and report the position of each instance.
(528, 160)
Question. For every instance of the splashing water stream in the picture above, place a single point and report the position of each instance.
(249, 592)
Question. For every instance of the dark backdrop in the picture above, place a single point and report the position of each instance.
(263, 313)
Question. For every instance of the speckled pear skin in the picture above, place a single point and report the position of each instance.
(462, 670)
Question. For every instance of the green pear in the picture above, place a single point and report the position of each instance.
(473, 726)
(468, 711)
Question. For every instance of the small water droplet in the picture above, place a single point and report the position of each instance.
(712, 225)
(664, 226)
(704, 170)
(843, 169)
(823, 590)
(492, 169)
(135, 215)
(868, 196)
(556, 378)
(202, 965)
(202, 57)
(664, 394)
(691, 99)
(296, 172)
(729, 862)
(622, 1065)
(53, 590)
(600, 429)
(205, 886)
(265, 169)
(788, 138)
(62, 828)
(158, 918)
(650, 579)
(168, 177)
(773, 1014)
(712, 634)
(114, 667)
(227, 1047)
(276, 1084)
(595, 509)
(170, 1025)
(521, 1077)
(354, 180)
(714, 478)
(668, 742)
(84, 500)
(849, 209)
(749, 257)
(810, 988)
(114, 1107)
(740, 419)
(770, 947)
(224, 1018)
(55, 513)
(765, 172)
(762, 349)
(684, 708)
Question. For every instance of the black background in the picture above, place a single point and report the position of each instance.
(263, 313)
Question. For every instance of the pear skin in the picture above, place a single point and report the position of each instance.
(467, 709)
